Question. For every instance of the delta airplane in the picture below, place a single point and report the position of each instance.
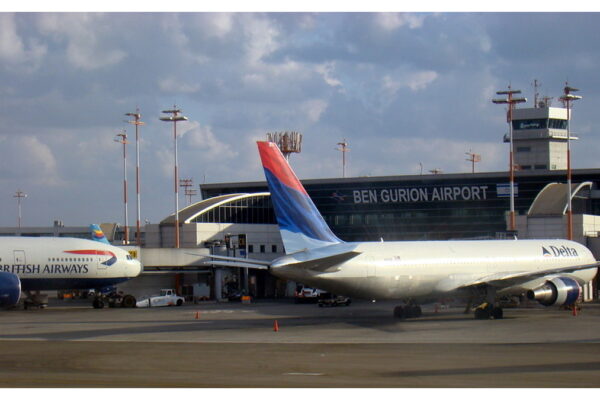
(32, 264)
(549, 271)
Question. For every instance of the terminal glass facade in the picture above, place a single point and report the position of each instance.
(249, 210)
(427, 207)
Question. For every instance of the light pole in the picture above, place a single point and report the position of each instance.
(187, 185)
(511, 101)
(122, 138)
(174, 117)
(473, 158)
(19, 195)
(567, 99)
(136, 121)
(344, 149)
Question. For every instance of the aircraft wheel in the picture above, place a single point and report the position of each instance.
(482, 313)
(399, 312)
(497, 313)
(98, 303)
(128, 301)
(417, 311)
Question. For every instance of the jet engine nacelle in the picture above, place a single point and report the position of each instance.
(10, 289)
(558, 291)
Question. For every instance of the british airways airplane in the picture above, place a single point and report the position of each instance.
(33, 264)
(549, 271)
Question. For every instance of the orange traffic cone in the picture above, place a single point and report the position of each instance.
(275, 326)
(574, 310)
(197, 314)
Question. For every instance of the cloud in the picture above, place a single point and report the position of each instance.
(415, 81)
(387, 82)
(86, 38)
(27, 159)
(326, 71)
(261, 36)
(202, 139)
(393, 21)
(172, 85)
(13, 50)
(313, 109)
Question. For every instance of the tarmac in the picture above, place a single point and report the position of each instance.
(278, 344)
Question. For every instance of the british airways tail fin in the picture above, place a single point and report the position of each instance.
(97, 234)
(300, 223)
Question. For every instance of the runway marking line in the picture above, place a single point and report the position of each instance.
(304, 373)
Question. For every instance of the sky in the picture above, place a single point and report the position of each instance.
(408, 91)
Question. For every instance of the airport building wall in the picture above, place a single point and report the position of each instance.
(426, 207)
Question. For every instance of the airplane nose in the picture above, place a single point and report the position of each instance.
(138, 268)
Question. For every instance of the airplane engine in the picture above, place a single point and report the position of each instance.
(10, 289)
(558, 291)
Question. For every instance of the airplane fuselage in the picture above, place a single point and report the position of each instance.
(65, 263)
(402, 270)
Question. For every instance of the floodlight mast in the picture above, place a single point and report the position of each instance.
(343, 147)
(19, 195)
(122, 139)
(473, 158)
(567, 99)
(175, 117)
(136, 121)
(511, 101)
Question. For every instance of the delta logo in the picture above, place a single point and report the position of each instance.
(109, 262)
(562, 251)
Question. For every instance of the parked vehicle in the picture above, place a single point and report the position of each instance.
(167, 297)
(333, 300)
(305, 294)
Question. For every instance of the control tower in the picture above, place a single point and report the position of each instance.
(540, 137)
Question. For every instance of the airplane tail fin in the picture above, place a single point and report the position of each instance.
(97, 234)
(300, 223)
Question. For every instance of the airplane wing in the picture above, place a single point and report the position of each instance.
(326, 264)
(504, 279)
(246, 260)
(326, 259)
(236, 262)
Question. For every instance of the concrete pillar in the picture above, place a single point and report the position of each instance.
(218, 283)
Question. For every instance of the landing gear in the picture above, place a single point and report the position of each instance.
(35, 299)
(486, 308)
(114, 299)
(408, 311)
(487, 311)
(98, 303)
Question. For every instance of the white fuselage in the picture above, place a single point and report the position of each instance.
(403, 270)
(65, 263)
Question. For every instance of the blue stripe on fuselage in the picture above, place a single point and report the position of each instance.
(296, 212)
(68, 283)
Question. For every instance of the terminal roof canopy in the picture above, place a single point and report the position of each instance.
(552, 200)
(189, 213)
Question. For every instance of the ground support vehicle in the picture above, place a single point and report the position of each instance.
(167, 297)
(333, 300)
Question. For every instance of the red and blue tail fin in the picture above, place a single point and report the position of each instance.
(300, 223)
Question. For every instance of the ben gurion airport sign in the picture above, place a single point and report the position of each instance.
(430, 194)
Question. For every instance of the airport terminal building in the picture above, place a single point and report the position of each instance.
(427, 207)
(389, 208)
